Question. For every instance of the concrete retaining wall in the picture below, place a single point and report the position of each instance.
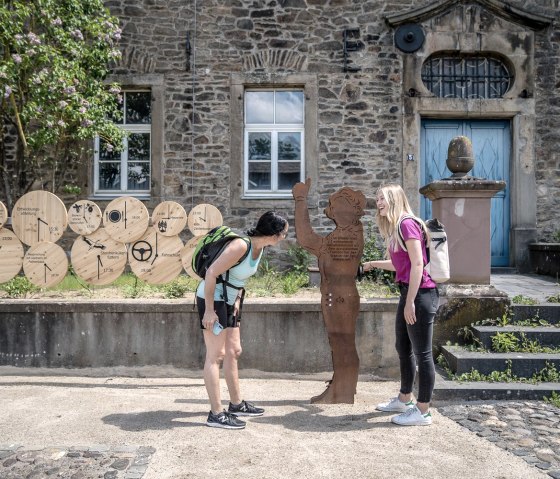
(276, 336)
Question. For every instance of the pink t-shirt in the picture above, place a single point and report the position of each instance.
(400, 259)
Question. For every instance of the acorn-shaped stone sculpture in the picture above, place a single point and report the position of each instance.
(460, 157)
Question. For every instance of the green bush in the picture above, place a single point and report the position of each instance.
(301, 258)
(134, 289)
(71, 189)
(179, 286)
(548, 374)
(265, 280)
(553, 299)
(293, 281)
(505, 342)
(374, 252)
(554, 399)
(175, 290)
(520, 299)
(19, 287)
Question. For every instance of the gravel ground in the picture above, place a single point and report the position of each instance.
(294, 439)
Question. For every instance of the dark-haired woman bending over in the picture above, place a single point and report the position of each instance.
(214, 307)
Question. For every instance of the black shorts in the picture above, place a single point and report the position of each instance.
(223, 310)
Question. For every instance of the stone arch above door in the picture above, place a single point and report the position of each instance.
(490, 28)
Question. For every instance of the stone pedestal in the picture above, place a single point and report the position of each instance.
(463, 206)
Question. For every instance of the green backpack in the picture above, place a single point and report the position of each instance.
(210, 247)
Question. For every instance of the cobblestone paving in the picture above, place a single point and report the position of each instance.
(528, 429)
(125, 462)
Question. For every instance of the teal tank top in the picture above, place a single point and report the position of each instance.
(238, 276)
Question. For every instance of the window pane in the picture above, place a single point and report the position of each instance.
(138, 176)
(259, 176)
(259, 146)
(288, 174)
(138, 107)
(139, 147)
(289, 146)
(289, 107)
(259, 107)
(107, 154)
(466, 77)
(109, 176)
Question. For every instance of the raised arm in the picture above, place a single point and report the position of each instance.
(305, 235)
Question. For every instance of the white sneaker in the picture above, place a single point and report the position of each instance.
(413, 417)
(395, 405)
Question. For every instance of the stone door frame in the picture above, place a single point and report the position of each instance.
(518, 105)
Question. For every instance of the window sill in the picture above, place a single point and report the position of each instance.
(109, 197)
(287, 196)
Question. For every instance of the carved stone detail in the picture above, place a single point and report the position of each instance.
(275, 59)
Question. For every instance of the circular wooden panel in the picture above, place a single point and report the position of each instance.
(169, 218)
(186, 257)
(155, 258)
(39, 216)
(204, 217)
(11, 255)
(45, 264)
(126, 219)
(3, 214)
(98, 258)
(84, 217)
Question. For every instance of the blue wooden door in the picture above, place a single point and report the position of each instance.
(491, 145)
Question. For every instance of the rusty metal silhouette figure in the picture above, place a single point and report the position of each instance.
(339, 255)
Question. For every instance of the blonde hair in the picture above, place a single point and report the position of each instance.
(397, 205)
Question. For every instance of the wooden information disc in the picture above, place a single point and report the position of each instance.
(169, 218)
(186, 257)
(3, 214)
(204, 217)
(45, 264)
(84, 217)
(11, 255)
(155, 258)
(126, 219)
(98, 258)
(39, 216)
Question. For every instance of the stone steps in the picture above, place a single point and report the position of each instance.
(548, 312)
(461, 360)
(448, 390)
(545, 335)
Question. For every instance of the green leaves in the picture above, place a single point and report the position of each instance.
(56, 56)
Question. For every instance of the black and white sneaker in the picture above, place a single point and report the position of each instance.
(245, 408)
(225, 420)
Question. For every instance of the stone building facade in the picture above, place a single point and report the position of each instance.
(362, 102)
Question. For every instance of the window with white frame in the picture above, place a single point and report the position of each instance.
(273, 144)
(127, 171)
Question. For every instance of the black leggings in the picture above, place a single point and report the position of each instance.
(414, 342)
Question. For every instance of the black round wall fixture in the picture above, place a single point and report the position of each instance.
(409, 37)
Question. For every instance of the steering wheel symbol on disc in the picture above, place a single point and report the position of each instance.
(141, 252)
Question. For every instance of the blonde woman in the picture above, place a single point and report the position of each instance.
(417, 307)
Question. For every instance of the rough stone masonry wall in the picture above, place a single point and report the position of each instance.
(547, 141)
(359, 114)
